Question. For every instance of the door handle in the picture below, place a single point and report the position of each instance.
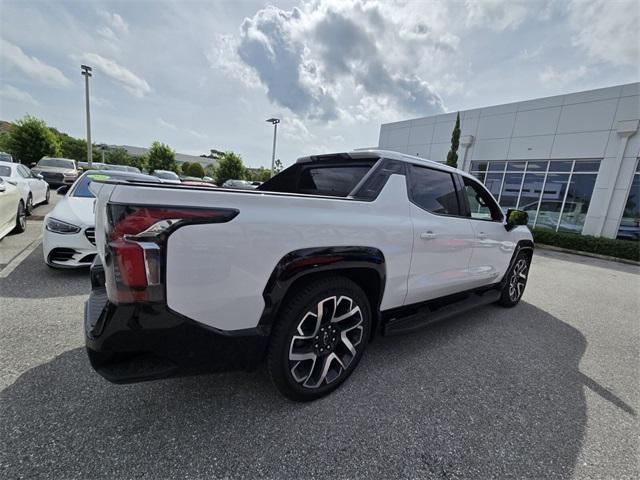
(482, 235)
(427, 235)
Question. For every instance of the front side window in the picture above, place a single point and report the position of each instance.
(481, 205)
(433, 190)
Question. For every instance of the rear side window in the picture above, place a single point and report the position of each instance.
(5, 171)
(433, 190)
(335, 181)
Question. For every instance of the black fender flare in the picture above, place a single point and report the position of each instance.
(522, 245)
(307, 261)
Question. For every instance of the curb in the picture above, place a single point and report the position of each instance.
(587, 254)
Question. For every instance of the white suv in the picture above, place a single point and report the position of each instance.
(302, 272)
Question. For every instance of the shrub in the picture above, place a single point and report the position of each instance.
(196, 170)
(627, 249)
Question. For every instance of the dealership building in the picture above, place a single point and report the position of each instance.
(570, 161)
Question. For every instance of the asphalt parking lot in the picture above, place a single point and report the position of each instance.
(546, 390)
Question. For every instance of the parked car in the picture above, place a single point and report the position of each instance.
(166, 176)
(329, 253)
(133, 169)
(198, 183)
(239, 185)
(57, 171)
(68, 231)
(13, 212)
(33, 188)
(94, 166)
(6, 157)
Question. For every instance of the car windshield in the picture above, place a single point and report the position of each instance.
(56, 162)
(5, 171)
(166, 175)
(82, 188)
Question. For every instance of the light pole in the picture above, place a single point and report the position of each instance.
(274, 121)
(86, 71)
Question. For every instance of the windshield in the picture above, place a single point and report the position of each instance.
(57, 162)
(166, 175)
(82, 188)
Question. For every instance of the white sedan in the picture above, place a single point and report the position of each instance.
(68, 238)
(13, 214)
(33, 189)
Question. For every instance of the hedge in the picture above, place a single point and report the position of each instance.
(627, 249)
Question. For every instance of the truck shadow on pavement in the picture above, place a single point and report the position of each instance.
(495, 394)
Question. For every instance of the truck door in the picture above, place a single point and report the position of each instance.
(493, 246)
(442, 237)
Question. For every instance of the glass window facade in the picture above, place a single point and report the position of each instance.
(630, 224)
(556, 194)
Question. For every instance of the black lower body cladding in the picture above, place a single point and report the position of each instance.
(133, 343)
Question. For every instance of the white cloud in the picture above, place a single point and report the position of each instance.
(552, 78)
(115, 22)
(32, 67)
(608, 30)
(496, 14)
(164, 123)
(223, 57)
(171, 126)
(10, 92)
(132, 83)
(313, 60)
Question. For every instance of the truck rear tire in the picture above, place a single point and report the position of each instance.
(319, 338)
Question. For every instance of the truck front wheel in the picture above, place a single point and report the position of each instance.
(319, 338)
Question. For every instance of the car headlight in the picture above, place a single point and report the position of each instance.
(58, 226)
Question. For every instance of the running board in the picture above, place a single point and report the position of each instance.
(428, 315)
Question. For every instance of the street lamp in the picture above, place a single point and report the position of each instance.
(86, 71)
(274, 121)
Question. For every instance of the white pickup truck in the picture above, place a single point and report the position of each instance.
(302, 272)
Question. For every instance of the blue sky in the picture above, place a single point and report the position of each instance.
(200, 75)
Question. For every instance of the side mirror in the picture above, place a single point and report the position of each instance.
(516, 218)
(39, 176)
(63, 189)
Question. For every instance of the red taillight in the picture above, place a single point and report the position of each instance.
(136, 241)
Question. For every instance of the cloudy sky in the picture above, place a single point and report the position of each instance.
(200, 75)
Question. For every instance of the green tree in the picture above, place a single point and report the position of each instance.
(71, 147)
(230, 167)
(196, 170)
(118, 156)
(30, 140)
(184, 168)
(452, 156)
(4, 142)
(258, 174)
(210, 170)
(161, 157)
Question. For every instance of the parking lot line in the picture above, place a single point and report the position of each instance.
(13, 264)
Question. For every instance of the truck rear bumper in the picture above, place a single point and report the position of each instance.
(133, 343)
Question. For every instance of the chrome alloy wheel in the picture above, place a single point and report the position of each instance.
(325, 341)
(518, 279)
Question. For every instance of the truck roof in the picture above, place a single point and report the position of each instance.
(376, 153)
